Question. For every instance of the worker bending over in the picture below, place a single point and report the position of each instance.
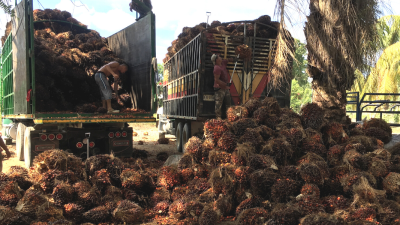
(111, 69)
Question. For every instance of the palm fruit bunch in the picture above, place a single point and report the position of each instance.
(161, 208)
(214, 129)
(280, 149)
(218, 158)
(19, 175)
(259, 162)
(208, 216)
(261, 182)
(333, 203)
(222, 179)
(312, 116)
(284, 189)
(48, 212)
(244, 51)
(127, 212)
(73, 211)
(334, 134)
(163, 141)
(99, 214)
(137, 181)
(10, 193)
(227, 142)
(252, 136)
(194, 147)
(62, 194)
(253, 216)
(224, 205)
(178, 209)
(13, 217)
(251, 202)
(321, 218)
(378, 123)
(239, 127)
(236, 112)
(252, 105)
(242, 153)
(169, 177)
(285, 214)
(30, 202)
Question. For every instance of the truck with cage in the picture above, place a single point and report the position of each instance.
(84, 134)
(188, 93)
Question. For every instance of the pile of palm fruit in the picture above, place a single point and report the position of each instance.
(67, 55)
(265, 28)
(261, 165)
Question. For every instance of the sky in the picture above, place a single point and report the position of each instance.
(108, 17)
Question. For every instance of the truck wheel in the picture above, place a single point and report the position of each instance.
(19, 146)
(27, 147)
(178, 136)
(185, 135)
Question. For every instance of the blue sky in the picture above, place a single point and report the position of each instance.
(110, 16)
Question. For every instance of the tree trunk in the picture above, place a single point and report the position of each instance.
(332, 100)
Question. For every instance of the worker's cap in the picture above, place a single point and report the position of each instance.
(213, 58)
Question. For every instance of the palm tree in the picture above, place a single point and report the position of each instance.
(385, 76)
(5, 5)
(340, 39)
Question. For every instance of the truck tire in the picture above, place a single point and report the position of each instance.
(185, 135)
(178, 135)
(27, 147)
(19, 146)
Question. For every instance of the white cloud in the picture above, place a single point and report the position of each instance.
(111, 21)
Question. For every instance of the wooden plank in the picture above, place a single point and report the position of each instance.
(20, 59)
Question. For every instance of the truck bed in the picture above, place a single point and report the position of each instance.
(61, 118)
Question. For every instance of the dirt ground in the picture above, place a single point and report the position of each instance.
(146, 132)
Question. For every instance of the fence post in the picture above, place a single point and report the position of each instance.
(358, 104)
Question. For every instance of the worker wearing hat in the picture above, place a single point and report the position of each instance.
(221, 84)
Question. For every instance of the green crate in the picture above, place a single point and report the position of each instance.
(7, 80)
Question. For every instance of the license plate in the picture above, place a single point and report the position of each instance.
(42, 148)
(120, 143)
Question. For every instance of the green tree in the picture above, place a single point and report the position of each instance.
(300, 95)
(5, 5)
(160, 72)
(385, 75)
(300, 64)
(301, 89)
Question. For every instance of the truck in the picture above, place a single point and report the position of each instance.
(188, 94)
(85, 134)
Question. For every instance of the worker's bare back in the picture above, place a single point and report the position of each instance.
(114, 66)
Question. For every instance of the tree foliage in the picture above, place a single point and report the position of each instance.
(5, 5)
(300, 64)
(301, 89)
(385, 75)
(160, 72)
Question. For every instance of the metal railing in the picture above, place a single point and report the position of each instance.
(364, 106)
(7, 77)
(181, 91)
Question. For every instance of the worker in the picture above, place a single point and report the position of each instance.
(114, 69)
(137, 7)
(8, 154)
(221, 84)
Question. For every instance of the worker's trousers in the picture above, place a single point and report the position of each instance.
(221, 96)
